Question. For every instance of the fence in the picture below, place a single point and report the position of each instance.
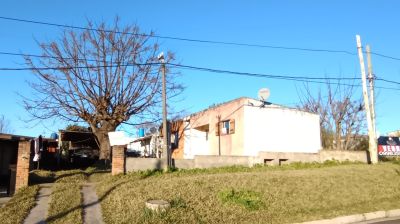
(270, 158)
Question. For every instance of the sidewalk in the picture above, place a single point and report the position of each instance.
(371, 217)
(39, 213)
(91, 205)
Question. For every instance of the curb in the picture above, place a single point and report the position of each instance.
(357, 218)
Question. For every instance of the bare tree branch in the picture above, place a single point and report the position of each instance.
(94, 82)
(341, 115)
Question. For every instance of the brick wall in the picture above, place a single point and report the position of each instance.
(22, 171)
(118, 160)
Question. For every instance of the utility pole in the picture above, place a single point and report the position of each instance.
(373, 152)
(165, 154)
(371, 78)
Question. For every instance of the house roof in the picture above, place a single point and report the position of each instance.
(79, 138)
(251, 102)
(11, 137)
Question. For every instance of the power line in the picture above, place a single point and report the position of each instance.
(289, 78)
(76, 67)
(197, 40)
(172, 64)
(45, 56)
(307, 79)
(385, 56)
(179, 66)
(181, 38)
(258, 74)
(388, 81)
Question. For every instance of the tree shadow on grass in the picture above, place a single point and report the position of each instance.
(62, 214)
(36, 178)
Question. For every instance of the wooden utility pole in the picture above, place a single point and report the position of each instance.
(371, 78)
(373, 152)
(165, 154)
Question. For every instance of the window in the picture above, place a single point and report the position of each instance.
(225, 127)
(174, 140)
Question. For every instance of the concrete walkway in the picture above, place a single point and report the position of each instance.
(39, 213)
(4, 200)
(91, 205)
(384, 217)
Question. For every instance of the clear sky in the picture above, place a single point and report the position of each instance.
(305, 24)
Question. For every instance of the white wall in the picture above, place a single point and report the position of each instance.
(195, 143)
(280, 130)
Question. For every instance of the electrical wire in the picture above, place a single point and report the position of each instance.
(212, 70)
(172, 64)
(197, 40)
(180, 38)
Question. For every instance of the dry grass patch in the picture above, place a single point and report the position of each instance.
(273, 196)
(16, 210)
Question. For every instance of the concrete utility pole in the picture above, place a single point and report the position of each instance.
(371, 78)
(373, 152)
(165, 153)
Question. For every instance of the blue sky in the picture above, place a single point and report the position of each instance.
(305, 24)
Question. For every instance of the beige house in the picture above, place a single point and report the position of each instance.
(245, 127)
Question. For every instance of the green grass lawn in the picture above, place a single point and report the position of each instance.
(294, 193)
(16, 210)
(291, 193)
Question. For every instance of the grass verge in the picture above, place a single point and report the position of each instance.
(65, 205)
(16, 210)
(295, 193)
(65, 202)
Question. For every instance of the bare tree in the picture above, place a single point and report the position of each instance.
(102, 75)
(341, 115)
(5, 125)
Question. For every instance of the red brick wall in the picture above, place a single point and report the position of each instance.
(118, 160)
(22, 172)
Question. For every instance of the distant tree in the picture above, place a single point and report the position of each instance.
(5, 125)
(341, 115)
(75, 127)
(103, 75)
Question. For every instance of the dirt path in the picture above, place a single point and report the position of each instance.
(39, 213)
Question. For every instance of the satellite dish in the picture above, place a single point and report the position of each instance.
(263, 94)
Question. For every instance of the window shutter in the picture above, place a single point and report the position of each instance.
(217, 129)
(232, 126)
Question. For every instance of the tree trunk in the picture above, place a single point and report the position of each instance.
(104, 143)
(338, 136)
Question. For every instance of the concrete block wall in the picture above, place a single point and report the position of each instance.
(279, 158)
(358, 156)
(183, 163)
(274, 158)
(118, 160)
(23, 161)
(220, 161)
(135, 164)
(269, 158)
